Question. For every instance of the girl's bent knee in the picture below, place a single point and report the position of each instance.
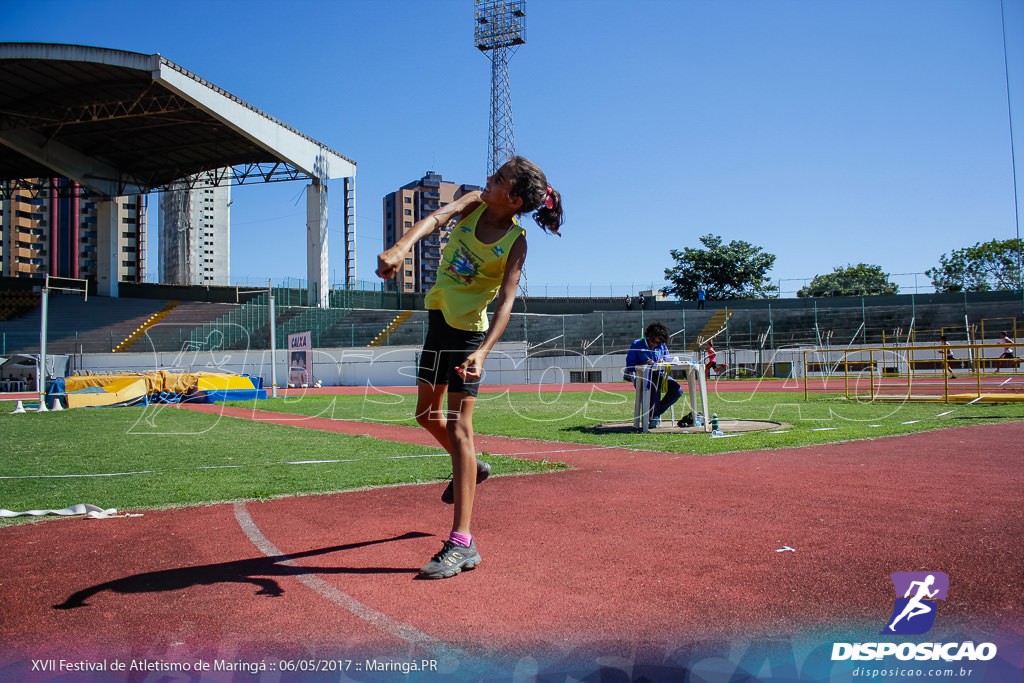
(427, 419)
(459, 431)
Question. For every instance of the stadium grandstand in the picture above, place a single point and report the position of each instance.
(754, 334)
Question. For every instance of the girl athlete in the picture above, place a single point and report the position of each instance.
(1008, 351)
(713, 363)
(949, 355)
(484, 258)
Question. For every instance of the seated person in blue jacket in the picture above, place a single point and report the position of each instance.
(651, 348)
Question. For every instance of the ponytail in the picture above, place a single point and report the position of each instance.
(531, 185)
(549, 215)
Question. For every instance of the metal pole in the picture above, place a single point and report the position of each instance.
(273, 348)
(864, 317)
(945, 373)
(805, 369)
(977, 369)
(846, 371)
(871, 370)
(41, 366)
(1013, 156)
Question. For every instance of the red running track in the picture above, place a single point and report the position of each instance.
(654, 564)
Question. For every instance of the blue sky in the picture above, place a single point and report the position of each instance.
(827, 132)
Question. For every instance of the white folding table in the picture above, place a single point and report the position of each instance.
(644, 383)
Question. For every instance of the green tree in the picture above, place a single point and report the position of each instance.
(859, 280)
(735, 270)
(984, 267)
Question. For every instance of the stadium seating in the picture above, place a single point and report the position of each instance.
(101, 323)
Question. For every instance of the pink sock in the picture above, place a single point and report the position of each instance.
(461, 539)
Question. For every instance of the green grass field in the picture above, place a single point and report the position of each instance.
(161, 457)
(164, 457)
(573, 416)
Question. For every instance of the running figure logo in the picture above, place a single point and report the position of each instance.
(914, 612)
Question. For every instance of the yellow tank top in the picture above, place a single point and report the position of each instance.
(470, 274)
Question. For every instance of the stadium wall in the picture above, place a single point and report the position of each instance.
(559, 305)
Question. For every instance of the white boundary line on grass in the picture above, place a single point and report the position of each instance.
(215, 467)
(69, 476)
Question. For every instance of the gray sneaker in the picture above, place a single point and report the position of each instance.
(483, 470)
(452, 559)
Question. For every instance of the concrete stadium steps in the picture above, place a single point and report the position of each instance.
(292, 320)
(384, 336)
(172, 332)
(412, 332)
(260, 338)
(96, 326)
(712, 328)
(359, 328)
(932, 319)
(805, 326)
(555, 334)
(617, 329)
(126, 344)
(13, 305)
(74, 325)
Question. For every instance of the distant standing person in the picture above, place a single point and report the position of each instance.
(1008, 351)
(643, 301)
(948, 354)
(629, 303)
(701, 295)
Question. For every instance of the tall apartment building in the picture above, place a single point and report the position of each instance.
(195, 233)
(402, 209)
(53, 231)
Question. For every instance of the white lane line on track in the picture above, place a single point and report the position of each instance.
(379, 620)
(564, 450)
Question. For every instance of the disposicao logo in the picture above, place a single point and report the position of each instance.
(913, 614)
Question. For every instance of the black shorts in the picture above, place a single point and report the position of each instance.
(445, 349)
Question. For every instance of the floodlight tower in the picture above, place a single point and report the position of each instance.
(500, 29)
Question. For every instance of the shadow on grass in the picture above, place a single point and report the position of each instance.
(581, 429)
(258, 571)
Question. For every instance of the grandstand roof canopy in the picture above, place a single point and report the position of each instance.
(123, 122)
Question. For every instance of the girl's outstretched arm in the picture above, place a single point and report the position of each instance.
(389, 262)
(472, 367)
